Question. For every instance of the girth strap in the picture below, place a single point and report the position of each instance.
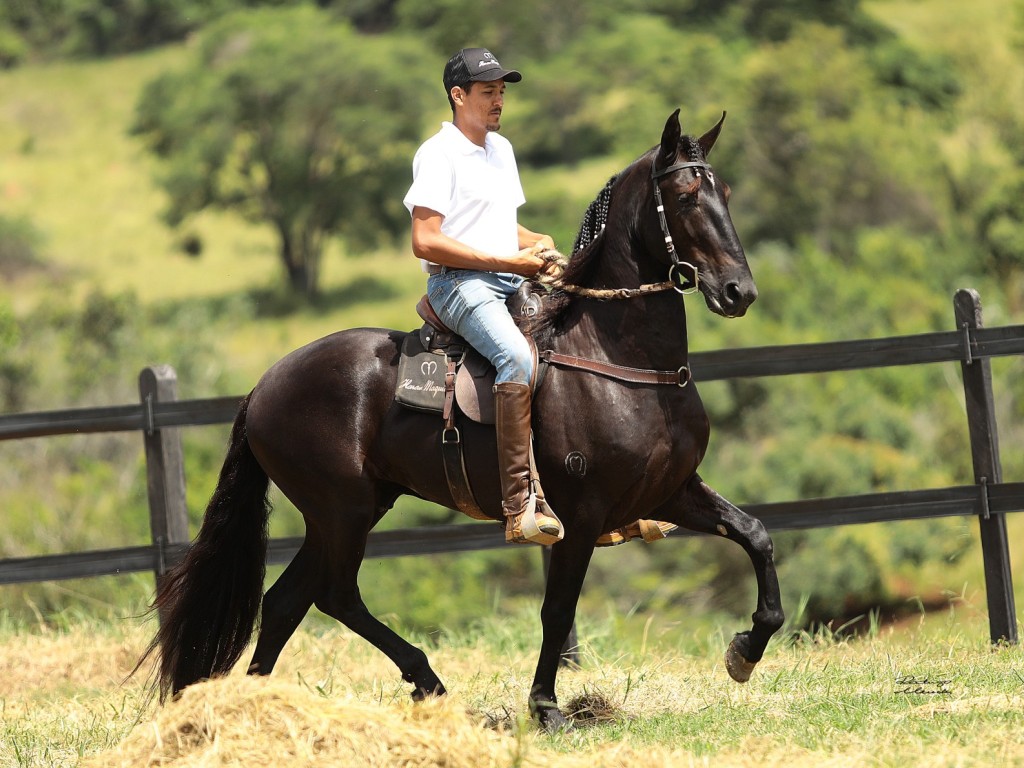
(680, 377)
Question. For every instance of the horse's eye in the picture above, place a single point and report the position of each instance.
(686, 201)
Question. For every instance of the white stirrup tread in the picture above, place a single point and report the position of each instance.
(531, 530)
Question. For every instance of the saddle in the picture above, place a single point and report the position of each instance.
(439, 372)
(434, 351)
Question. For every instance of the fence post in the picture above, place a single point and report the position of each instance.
(981, 421)
(571, 649)
(165, 468)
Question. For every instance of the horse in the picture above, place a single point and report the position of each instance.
(322, 423)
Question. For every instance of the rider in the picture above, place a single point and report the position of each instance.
(463, 201)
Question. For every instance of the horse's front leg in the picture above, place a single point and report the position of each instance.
(569, 561)
(699, 508)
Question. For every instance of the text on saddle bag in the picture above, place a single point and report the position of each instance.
(421, 380)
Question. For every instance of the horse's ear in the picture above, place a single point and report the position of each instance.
(670, 140)
(707, 141)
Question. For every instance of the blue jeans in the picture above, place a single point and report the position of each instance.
(472, 304)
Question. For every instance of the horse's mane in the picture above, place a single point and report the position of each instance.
(585, 248)
(595, 218)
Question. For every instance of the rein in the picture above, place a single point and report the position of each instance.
(552, 256)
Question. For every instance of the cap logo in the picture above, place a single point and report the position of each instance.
(488, 61)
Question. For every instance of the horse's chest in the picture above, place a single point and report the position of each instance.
(631, 436)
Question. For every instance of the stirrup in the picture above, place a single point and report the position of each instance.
(531, 527)
(648, 530)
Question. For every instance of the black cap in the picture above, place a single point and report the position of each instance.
(476, 65)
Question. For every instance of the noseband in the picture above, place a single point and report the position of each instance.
(679, 282)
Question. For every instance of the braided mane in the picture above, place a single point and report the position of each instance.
(595, 218)
(584, 249)
(693, 149)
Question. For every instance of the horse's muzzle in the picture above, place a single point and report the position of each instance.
(732, 299)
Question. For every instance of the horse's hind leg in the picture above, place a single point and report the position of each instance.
(284, 606)
(344, 542)
(706, 511)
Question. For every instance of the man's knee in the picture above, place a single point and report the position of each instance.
(516, 365)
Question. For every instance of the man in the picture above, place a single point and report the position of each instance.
(463, 200)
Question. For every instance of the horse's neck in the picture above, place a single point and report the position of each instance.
(646, 332)
(643, 332)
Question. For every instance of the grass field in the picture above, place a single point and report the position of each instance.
(932, 692)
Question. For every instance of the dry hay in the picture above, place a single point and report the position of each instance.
(244, 721)
(593, 707)
(57, 661)
(249, 721)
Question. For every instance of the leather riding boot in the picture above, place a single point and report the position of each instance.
(523, 521)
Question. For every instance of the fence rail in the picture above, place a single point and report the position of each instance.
(159, 415)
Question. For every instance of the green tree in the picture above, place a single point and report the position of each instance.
(528, 29)
(772, 19)
(292, 120)
(40, 29)
(830, 150)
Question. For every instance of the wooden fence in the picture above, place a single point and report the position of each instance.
(159, 416)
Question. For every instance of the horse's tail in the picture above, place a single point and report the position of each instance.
(209, 602)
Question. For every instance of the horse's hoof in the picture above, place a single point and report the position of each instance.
(550, 716)
(736, 665)
(553, 721)
(421, 694)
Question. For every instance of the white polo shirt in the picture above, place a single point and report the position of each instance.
(477, 189)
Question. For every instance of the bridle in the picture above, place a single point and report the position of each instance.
(679, 283)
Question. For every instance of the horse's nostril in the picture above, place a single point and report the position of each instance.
(733, 293)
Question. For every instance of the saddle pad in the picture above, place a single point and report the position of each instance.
(420, 376)
(421, 381)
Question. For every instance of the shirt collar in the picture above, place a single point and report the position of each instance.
(460, 142)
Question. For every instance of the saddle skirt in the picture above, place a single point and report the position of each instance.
(429, 352)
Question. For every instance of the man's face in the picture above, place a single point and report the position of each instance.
(482, 104)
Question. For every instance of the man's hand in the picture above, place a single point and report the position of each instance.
(547, 241)
(528, 261)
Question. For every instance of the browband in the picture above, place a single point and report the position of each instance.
(677, 167)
